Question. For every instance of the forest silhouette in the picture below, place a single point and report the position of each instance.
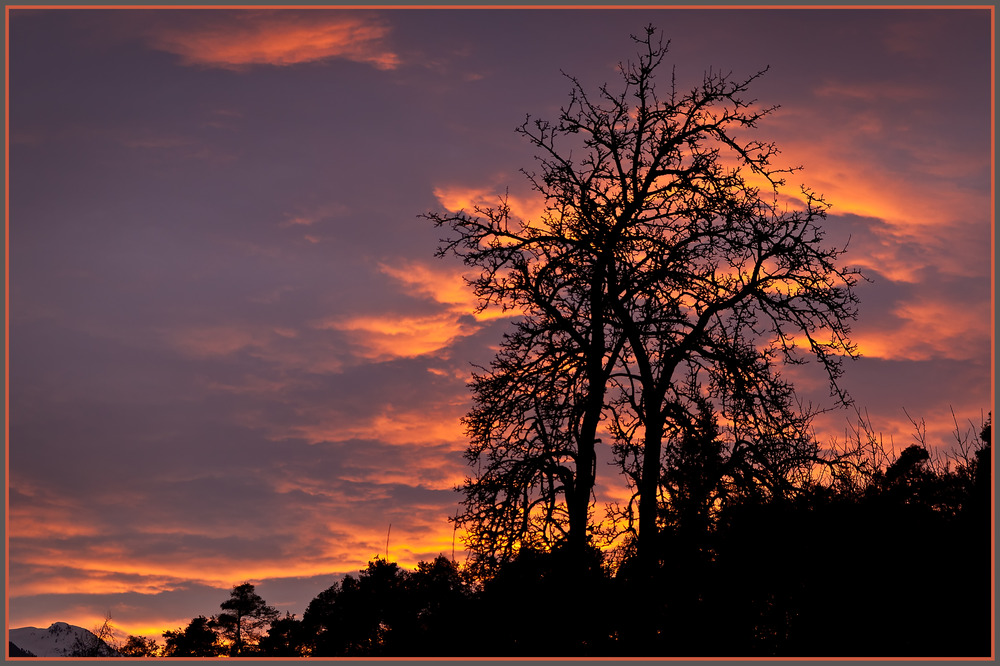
(889, 559)
(657, 301)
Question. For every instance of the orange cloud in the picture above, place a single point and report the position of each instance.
(107, 565)
(440, 283)
(930, 329)
(926, 328)
(98, 568)
(389, 335)
(395, 426)
(461, 197)
(95, 573)
(44, 514)
(104, 566)
(280, 38)
(927, 193)
(417, 533)
(444, 285)
(383, 337)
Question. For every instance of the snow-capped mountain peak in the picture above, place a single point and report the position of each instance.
(59, 640)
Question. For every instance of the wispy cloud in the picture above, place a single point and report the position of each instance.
(871, 91)
(307, 217)
(392, 336)
(926, 327)
(246, 38)
(395, 425)
(395, 334)
(217, 340)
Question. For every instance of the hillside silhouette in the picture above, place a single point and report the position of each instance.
(888, 556)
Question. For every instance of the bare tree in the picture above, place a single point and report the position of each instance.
(101, 642)
(663, 273)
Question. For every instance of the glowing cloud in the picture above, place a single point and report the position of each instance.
(39, 513)
(930, 329)
(438, 283)
(442, 284)
(392, 425)
(392, 336)
(460, 197)
(924, 188)
(247, 38)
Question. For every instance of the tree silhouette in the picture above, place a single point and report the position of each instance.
(665, 269)
(692, 471)
(387, 611)
(548, 604)
(320, 621)
(361, 616)
(15, 651)
(246, 618)
(138, 646)
(899, 555)
(440, 612)
(198, 639)
(285, 638)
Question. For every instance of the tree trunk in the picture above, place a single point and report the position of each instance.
(646, 588)
(586, 461)
(648, 486)
(579, 504)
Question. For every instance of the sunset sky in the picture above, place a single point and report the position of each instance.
(233, 355)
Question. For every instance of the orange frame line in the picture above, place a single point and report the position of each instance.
(496, 6)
